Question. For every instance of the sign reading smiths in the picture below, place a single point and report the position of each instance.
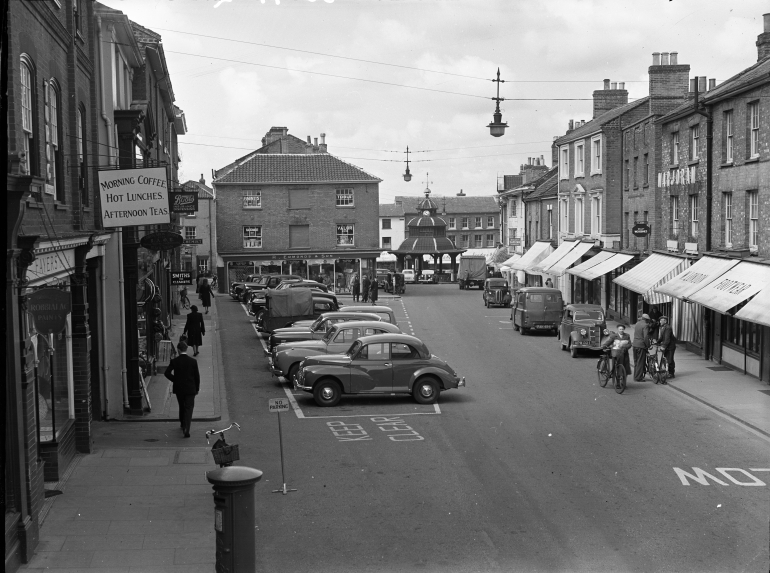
(49, 308)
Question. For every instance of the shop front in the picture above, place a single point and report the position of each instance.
(589, 284)
(524, 267)
(558, 270)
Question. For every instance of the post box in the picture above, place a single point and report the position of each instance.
(234, 518)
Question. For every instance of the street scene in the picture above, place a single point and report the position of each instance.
(519, 325)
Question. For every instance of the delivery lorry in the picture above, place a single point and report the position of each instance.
(473, 272)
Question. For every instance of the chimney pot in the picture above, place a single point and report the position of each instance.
(606, 84)
(308, 140)
(712, 83)
(614, 85)
(621, 85)
(542, 160)
(656, 58)
(571, 124)
(767, 22)
(315, 142)
(674, 58)
(693, 84)
(702, 84)
(323, 139)
(664, 59)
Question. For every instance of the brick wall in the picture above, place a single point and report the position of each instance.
(275, 217)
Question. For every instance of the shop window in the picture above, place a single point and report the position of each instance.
(299, 199)
(299, 236)
(54, 383)
(252, 237)
(252, 199)
(344, 198)
(345, 235)
(386, 224)
(741, 333)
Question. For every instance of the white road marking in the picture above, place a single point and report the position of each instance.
(703, 477)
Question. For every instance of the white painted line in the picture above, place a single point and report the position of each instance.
(436, 408)
(371, 415)
(504, 321)
(245, 309)
(497, 316)
(294, 405)
(760, 469)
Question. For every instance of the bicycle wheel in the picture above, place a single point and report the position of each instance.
(601, 372)
(620, 379)
(662, 370)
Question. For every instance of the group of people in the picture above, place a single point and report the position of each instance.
(366, 289)
(646, 333)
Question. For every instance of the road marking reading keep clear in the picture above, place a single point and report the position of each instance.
(347, 432)
(397, 430)
(702, 477)
(406, 433)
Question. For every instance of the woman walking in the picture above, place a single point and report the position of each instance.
(194, 329)
(356, 288)
(206, 293)
(365, 288)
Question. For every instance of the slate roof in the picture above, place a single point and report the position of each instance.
(546, 186)
(389, 210)
(757, 72)
(596, 124)
(204, 191)
(454, 204)
(295, 168)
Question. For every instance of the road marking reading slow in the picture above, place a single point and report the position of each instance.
(703, 477)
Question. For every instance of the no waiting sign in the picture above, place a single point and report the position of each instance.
(278, 404)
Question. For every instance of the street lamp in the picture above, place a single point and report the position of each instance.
(407, 175)
(497, 127)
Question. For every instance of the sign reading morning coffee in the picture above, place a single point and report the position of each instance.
(49, 308)
(134, 197)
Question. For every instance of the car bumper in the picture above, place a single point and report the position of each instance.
(461, 382)
(299, 386)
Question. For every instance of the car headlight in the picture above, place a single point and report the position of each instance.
(606, 331)
(582, 331)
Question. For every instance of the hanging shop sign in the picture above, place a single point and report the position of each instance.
(641, 230)
(183, 201)
(161, 241)
(134, 197)
(193, 241)
(49, 308)
(181, 277)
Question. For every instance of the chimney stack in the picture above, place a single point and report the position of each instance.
(609, 98)
(763, 40)
(668, 82)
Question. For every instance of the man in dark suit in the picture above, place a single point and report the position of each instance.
(183, 372)
(667, 342)
(641, 343)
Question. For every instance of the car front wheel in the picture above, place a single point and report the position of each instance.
(292, 373)
(426, 391)
(573, 351)
(327, 393)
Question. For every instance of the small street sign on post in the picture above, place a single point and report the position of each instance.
(279, 405)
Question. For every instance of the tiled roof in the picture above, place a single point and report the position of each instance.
(546, 186)
(427, 245)
(204, 192)
(295, 168)
(743, 78)
(677, 111)
(388, 210)
(486, 204)
(596, 123)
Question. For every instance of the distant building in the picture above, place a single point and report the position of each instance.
(392, 226)
(293, 208)
(199, 230)
(511, 193)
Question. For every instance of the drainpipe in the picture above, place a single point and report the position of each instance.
(103, 344)
(105, 117)
(121, 280)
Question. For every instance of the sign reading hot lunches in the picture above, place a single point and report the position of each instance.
(134, 197)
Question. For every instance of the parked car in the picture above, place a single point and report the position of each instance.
(287, 356)
(384, 312)
(537, 308)
(583, 326)
(427, 277)
(409, 276)
(317, 329)
(496, 292)
(236, 287)
(378, 364)
(262, 282)
(289, 305)
(257, 299)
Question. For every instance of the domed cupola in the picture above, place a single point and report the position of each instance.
(426, 218)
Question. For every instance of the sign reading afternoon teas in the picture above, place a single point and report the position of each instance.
(134, 197)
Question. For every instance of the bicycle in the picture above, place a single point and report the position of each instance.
(224, 454)
(656, 365)
(618, 373)
(185, 302)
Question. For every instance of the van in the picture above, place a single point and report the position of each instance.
(409, 276)
(537, 308)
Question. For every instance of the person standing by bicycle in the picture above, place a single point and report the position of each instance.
(667, 342)
(641, 345)
(614, 344)
(185, 376)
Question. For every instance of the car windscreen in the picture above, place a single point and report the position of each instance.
(354, 348)
(329, 334)
(589, 315)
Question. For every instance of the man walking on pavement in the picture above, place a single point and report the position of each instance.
(365, 288)
(373, 289)
(667, 342)
(185, 376)
(356, 288)
(640, 344)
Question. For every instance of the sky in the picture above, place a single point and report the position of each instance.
(387, 74)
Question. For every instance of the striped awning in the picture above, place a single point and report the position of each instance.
(555, 256)
(535, 254)
(703, 272)
(593, 261)
(655, 270)
(561, 266)
(735, 286)
(605, 266)
(757, 309)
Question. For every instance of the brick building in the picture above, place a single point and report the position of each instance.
(511, 191)
(199, 229)
(292, 207)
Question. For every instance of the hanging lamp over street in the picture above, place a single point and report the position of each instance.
(497, 127)
(407, 175)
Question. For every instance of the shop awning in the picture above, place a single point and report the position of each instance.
(757, 309)
(535, 254)
(655, 270)
(561, 266)
(703, 272)
(509, 262)
(555, 256)
(742, 281)
(615, 261)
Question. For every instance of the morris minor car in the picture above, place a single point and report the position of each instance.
(583, 326)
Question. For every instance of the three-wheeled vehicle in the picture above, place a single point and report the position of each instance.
(496, 292)
(399, 284)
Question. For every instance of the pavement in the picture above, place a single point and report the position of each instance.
(141, 503)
